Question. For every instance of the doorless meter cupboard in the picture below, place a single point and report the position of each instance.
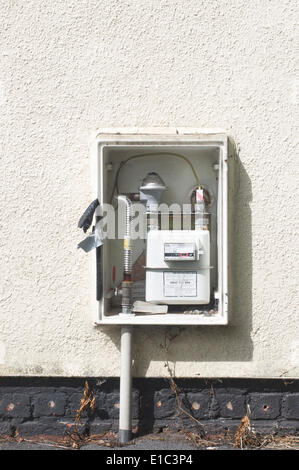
(179, 257)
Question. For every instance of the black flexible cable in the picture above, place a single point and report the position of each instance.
(85, 220)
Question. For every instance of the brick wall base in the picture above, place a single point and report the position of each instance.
(37, 405)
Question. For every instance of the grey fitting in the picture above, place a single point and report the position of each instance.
(124, 436)
(126, 301)
(151, 190)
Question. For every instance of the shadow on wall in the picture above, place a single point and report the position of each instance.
(210, 343)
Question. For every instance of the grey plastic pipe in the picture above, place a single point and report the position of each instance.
(125, 405)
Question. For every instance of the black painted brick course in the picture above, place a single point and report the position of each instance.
(36, 405)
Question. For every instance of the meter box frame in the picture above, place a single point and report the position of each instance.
(211, 153)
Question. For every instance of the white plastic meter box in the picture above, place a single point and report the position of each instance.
(164, 257)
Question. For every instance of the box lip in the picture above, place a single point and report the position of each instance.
(157, 130)
(125, 136)
(157, 319)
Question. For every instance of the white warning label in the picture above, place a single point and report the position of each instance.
(180, 284)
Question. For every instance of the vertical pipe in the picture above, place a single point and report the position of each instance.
(125, 412)
(125, 408)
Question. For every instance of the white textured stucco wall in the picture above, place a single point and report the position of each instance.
(70, 67)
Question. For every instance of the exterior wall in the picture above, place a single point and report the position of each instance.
(69, 68)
